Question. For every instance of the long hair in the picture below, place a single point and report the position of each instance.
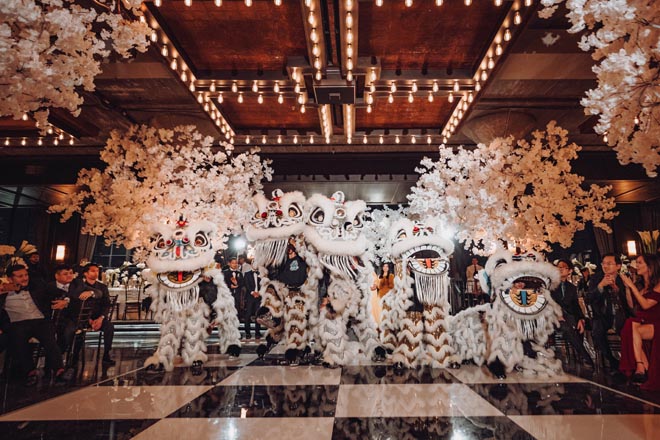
(653, 263)
(389, 269)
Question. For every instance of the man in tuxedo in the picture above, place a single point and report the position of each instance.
(101, 297)
(252, 301)
(609, 304)
(29, 309)
(236, 283)
(572, 322)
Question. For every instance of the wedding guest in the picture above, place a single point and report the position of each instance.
(609, 304)
(252, 301)
(29, 308)
(236, 283)
(644, 326)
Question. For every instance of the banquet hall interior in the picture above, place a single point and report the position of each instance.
(333, 96)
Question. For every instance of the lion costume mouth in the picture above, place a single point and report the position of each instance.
(427, 259)
(527, 294)
(180, 279)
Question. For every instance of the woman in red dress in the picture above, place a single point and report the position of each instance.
(643, 327)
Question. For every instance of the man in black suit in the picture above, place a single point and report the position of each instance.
(101, 297)
(610, 305)
(252, 301)
(236, 283)
(572, 322)
(29, 310)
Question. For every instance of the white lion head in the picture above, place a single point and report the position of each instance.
(421, 244)
(180, 251)
(523, 280)
(334, 226)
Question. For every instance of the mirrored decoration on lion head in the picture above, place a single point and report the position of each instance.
(522, 280)
(179, 252)
(273, 223)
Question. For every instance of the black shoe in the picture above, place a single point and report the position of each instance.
(107, 360)
(234, 350)
(248, 336)
(639, 377)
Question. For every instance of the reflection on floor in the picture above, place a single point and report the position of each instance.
(250, 398)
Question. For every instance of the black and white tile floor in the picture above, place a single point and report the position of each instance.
(249, 398)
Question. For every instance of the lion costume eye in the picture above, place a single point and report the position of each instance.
(401, 235)
(201, 240)
(160, 242)
(358, 221)
(317, 216)
(294, 211)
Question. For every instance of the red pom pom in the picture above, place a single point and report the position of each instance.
(278, 213)
(264, 214)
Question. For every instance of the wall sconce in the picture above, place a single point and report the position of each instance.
(631, 245)
(60, 252)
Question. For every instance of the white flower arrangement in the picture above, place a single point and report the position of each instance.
(521, 192)
(376, 228)
(157, 175)
(50, 49)
(625, 38)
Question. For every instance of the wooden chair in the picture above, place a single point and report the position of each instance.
(132, 303)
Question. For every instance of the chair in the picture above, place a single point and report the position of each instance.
(83, 327)
(132, 303)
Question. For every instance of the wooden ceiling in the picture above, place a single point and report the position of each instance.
(206, 56)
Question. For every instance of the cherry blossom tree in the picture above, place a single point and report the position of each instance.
(625, 38)
(50, 49)
(521, 192)
(156, 175)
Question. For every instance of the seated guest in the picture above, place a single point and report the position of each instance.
(101, 297)
(643, 326)
(29, 310)
(572, 322)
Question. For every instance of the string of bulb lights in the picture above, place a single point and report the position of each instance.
(462, 93)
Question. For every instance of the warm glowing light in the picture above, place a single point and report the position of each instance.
(411, 98)
(255, 87)
(457, 87)
(369, 108)
(517, 19)
(220, 98)
(295, 138)
(436, 87)
(302, 108)
(498, 50)
(507, 34)
(631, 245)
(396, 139)
(280, 99)
(390, 98)
(414, 87)
(450, 98)
(364, 139)
(234, 87)
(240, 98)
(260, 99)
(430, 96)
(393, 87)
(60, 252)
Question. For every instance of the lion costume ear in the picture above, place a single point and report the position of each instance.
(484, 281)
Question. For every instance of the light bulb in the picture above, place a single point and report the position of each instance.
(349, 140)
(71, 141)
(484, 75)
(491, 63)
(636, 121)
(50, 130)
(164, 51)
(24, 117)
(498, 50)
(302, 108)
(295, 138)
(411, 98)
(248, 3)
(349, 76)
(409, 3)
(61, 136)
(23, 142)
(212, 87)
(264, 139)
(396, 139)
(390, 98)
(379, 3)
(507, 34)
(278, 2)
(430, 96)
(605, 138)
(255, 87)
(457, 87)
(349, 36)
(349, 4)
(465, 105)
(413, 140)
(349, 20)
(316, 50)
(220, 98)
(191, 87)
(364, 139)
(414, 87)
(349, 64)
(438, 2)
(200, 98)
(187, 2)
(296, 88)
(369, 108)
(154, 36)
(308, 3)
(393, 87)
(372, 88)
(349, 50)
(528, 2)
(450, 98)
(279, 138)
(240, 98)
(247, 139)
(158, 3)
(280, 99)
(380, 139)
(55, 142)
(436, 87)
(218, 3)
(517, 18)
(311, 138)
(40, 142)
(470, 97)
(373, 75)
(370, 99)
(444, 140)
(498, 2)
(260, 98)
(314, 36)
(301, 99)
(311, 19)
(276, 87)
(468, 2)
(429, 140)
(477, 86)
(234, 87)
